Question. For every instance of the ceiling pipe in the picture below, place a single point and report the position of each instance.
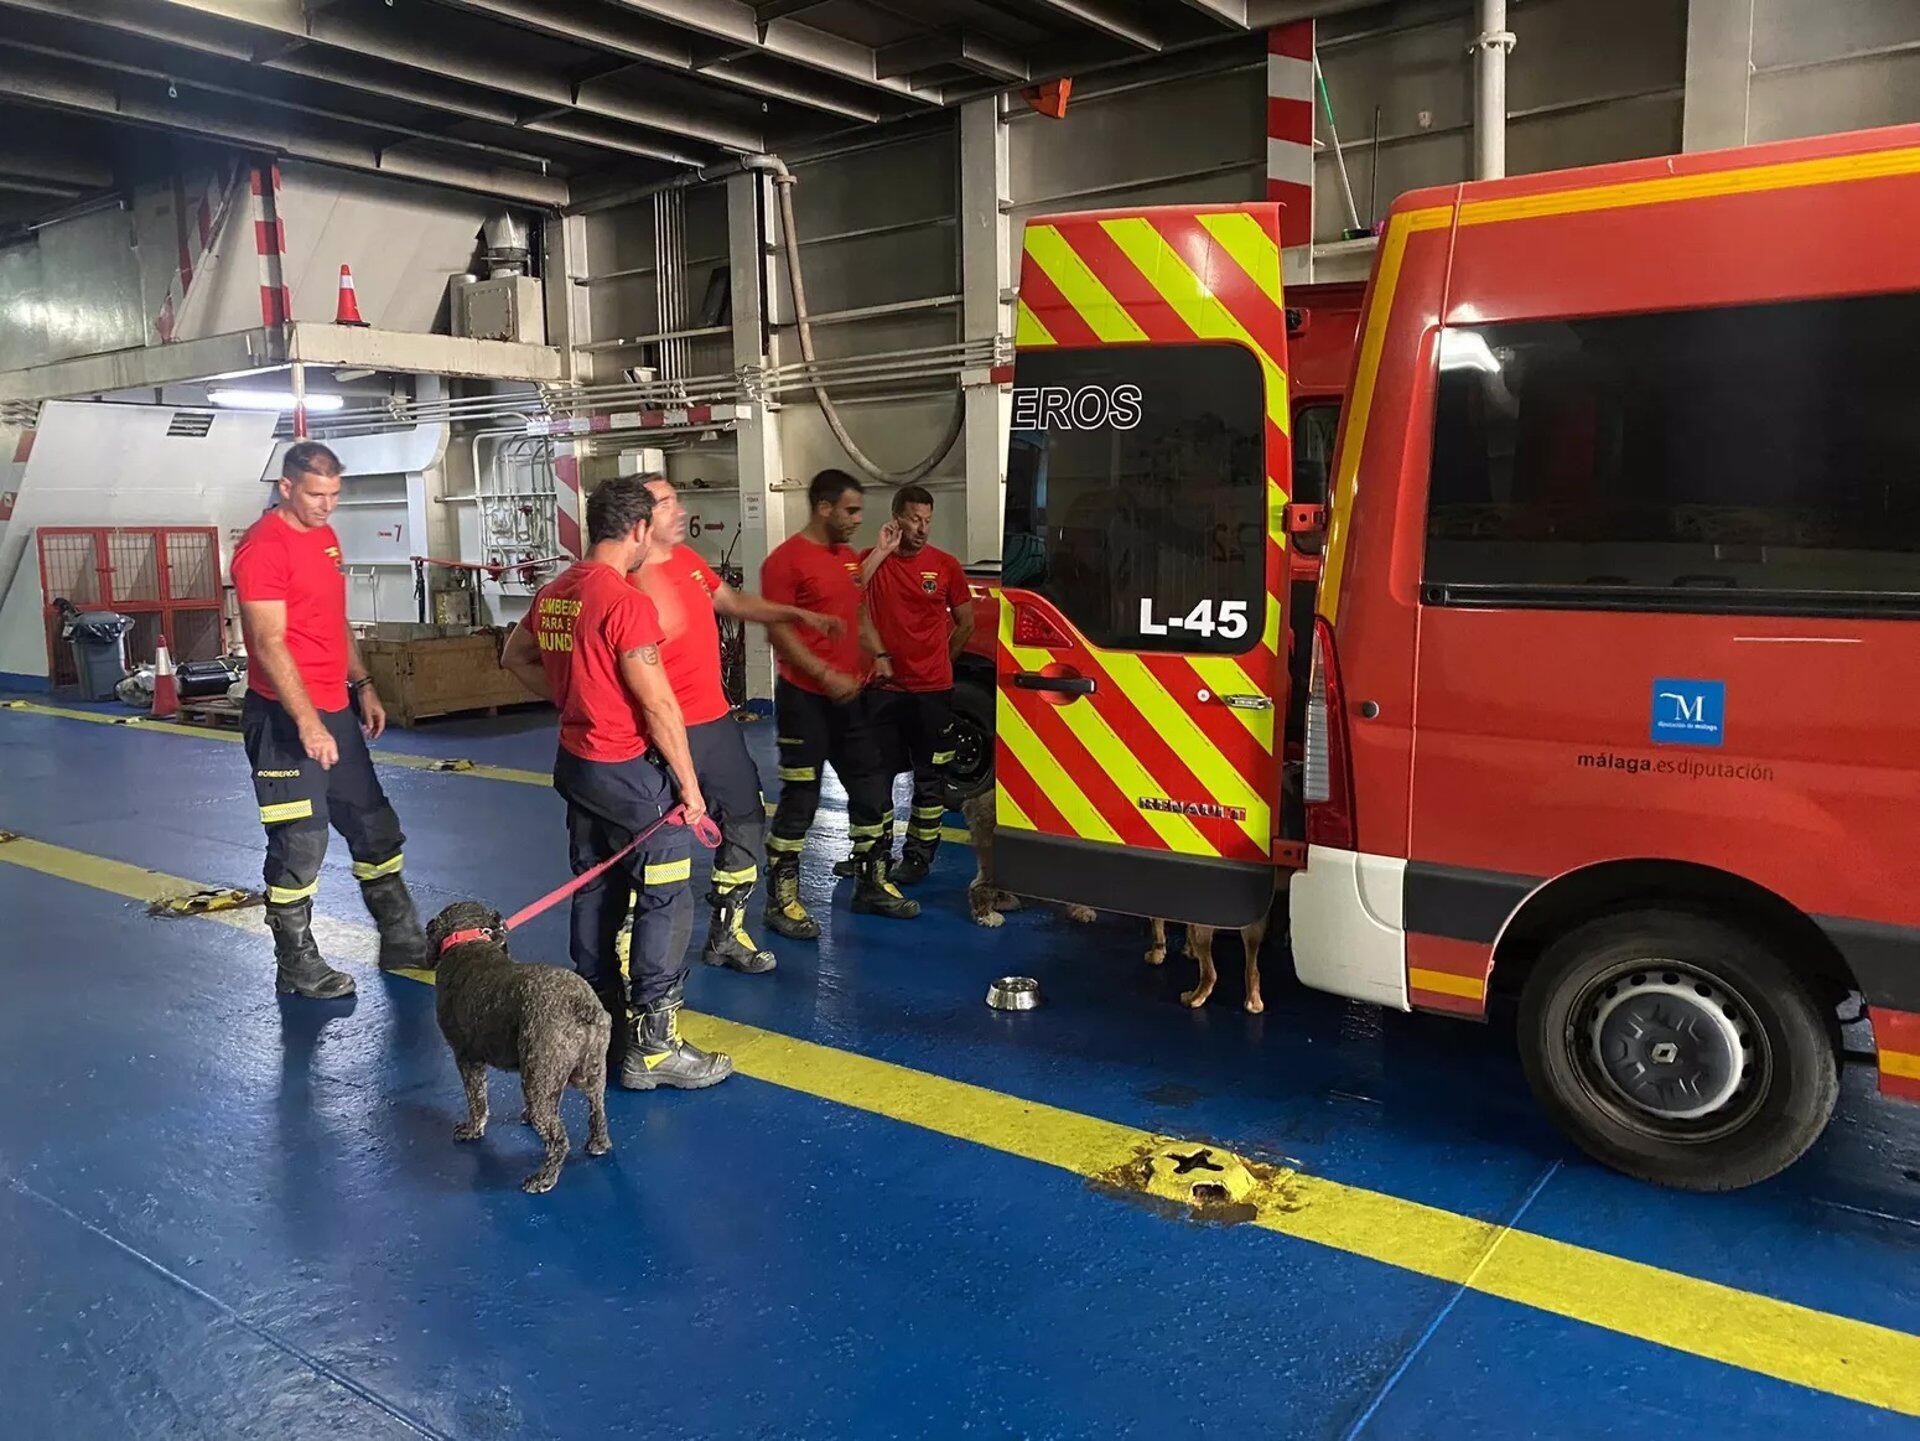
(1489, 50)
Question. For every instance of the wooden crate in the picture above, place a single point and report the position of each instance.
(423, 671)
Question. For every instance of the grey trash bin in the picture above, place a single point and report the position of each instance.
(99, 641)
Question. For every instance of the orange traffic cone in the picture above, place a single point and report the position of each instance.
(349, 308)
(166, 693)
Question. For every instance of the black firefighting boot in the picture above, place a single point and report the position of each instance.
(658, 1056)
(403, 944)
(300, 970)
(912, 867)
(874, 893)
(850, 867)
(728, 943)
(785, 915)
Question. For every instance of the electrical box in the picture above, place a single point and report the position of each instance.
(643, 462)
(509, 307)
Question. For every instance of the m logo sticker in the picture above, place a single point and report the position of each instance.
(1689, 712)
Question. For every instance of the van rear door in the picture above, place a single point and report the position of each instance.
(1141, 666)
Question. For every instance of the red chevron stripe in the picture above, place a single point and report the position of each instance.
(1244, 297)
(1181, 681)
(1082, 769)
(1051, 308)
(1028, 795)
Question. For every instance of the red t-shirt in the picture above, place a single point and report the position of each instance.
(823, 578)
(682, 588)
(585, 618)
(911, 599)
(301, 568)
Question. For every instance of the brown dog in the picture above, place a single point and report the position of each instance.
(985, 901)
(1200, 947)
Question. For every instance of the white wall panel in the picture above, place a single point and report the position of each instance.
(115, 465)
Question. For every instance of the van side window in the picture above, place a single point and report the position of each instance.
(1761, 458)
(1137, 494)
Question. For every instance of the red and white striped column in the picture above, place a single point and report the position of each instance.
(270, 240)
(1290, 130)
(567, 517)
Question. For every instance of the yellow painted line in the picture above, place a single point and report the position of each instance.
(1446, 983)
(400, 759)
(1859, 1360)
(1899, 1063)
(1665, 189)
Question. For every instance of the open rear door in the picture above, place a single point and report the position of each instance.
(1141, 661)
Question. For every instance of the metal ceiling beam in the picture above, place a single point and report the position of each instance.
(427, 89)
(254, 97)
(634, 39)
(923, 52)
(21, 185)
(1095, 15)
(1227, 12)
(58, 86)
(372, 41)
(738, 23)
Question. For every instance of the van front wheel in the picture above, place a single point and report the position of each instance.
(1678, 1049)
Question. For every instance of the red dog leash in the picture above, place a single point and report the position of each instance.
(705, 830)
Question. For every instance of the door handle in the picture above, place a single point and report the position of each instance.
(1065, 684)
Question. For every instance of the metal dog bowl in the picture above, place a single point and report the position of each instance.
(1014, 993)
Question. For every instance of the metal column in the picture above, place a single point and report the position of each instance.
(1719, 74)
(762, 508)
(1490, 91)
(986, 272)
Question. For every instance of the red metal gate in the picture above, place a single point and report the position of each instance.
(167, 577)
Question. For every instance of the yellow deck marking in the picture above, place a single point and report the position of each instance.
(401, 759)
(1864, 1362)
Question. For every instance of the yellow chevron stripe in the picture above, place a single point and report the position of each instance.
(1007, 812)
(1225, 785)
(1664, 189)
(1082, 289)
(1111, 754)
(1353, 425)
(1226, 676)
(1028, 331)
(1445, 983)
(1194, 302)
(1037, 761)
(1252, 249)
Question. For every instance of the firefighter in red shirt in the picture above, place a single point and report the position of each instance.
(689, 598)
(591, 642)
(917, 595)
(309, 713)
(822, 711)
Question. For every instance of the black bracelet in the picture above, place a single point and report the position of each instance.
(365, 680)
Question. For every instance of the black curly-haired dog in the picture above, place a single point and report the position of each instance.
(541, 1021)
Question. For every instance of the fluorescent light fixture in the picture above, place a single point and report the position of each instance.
(271, 399)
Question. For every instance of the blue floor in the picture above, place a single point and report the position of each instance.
(229, 1215)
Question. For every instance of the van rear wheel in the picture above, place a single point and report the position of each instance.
(1678, 1049)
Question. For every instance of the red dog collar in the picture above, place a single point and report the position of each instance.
(460, 938)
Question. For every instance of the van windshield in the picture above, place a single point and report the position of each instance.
(1136, 494)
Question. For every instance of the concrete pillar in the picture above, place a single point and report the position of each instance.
(1719, 74)
(986, 284)
(750, 217)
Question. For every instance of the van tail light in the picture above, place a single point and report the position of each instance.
(1033, 626)
(1327, 768)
